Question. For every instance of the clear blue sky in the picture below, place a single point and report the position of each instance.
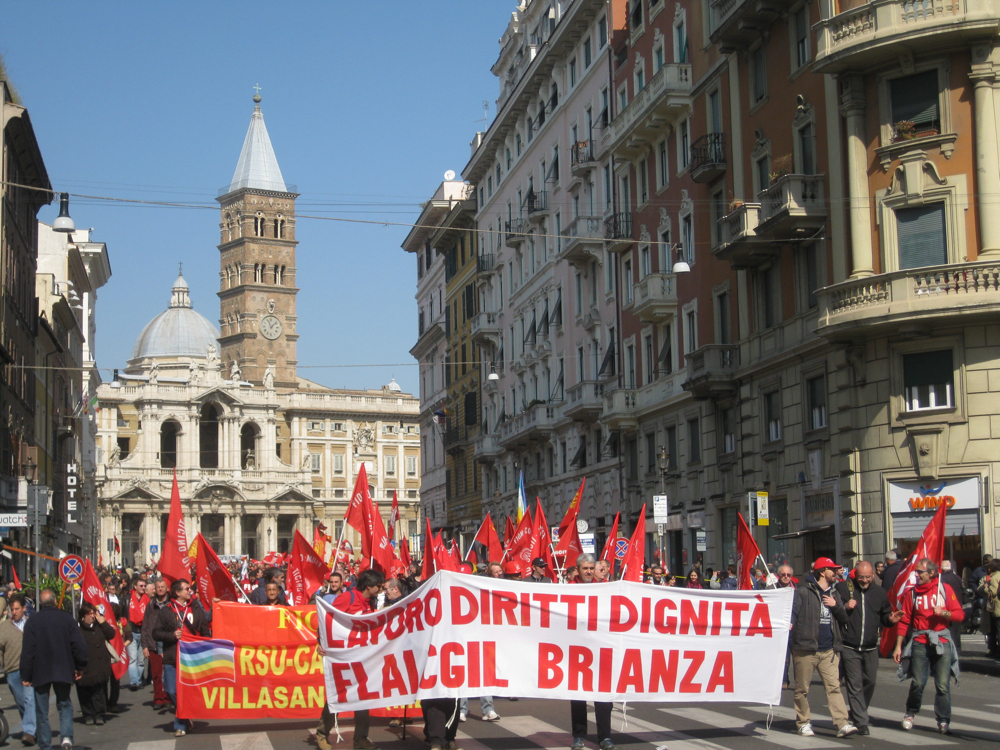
(367, 105)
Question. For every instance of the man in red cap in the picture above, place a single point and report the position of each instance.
(816, 645)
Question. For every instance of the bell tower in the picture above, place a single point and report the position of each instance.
(257, 256)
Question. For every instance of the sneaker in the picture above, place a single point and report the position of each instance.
(67, 744)
(943, 727)
(322, 740)
(847, 730)
(363, 743)
(907, 722)
(806, 730)
(180, 733)
(608, 744)
(491, 716)
(435, 745)
(463, 716)
(577, 744)
(864, 731)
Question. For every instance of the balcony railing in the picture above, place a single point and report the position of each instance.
(537, 202)
(534, 423)
(618, 231)
(793, 206)
(620, 410)
(708, 157)
(582, 156)
(515, 231)
(452, 437)
(710, 370)
(485, 262)
(486, 328)
(738, 240)
(654, 298)
(585, 400)
(665, 97)
(916, 297)
(581, 239)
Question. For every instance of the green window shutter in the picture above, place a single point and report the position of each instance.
(921, 236)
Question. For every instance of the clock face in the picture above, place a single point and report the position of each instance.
(270, 327)
(582, 526)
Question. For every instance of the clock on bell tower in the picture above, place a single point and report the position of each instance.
(257, 254)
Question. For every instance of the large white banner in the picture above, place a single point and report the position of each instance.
(462, 636)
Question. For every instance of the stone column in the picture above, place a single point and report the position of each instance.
(852, 107)
(151, 534)
(236, 524)
(983, 77)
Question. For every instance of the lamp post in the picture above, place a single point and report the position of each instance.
(28, 469)
(663, 464)
(268, 539)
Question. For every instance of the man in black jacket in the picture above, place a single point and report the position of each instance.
(868, 611)
(537, 574)
(171, 622)
(816, 645)
(893, 567)
(259, 594)
(54, 653)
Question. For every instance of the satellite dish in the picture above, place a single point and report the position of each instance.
(450, 174)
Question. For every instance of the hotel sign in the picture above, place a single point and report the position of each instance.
(924, 497)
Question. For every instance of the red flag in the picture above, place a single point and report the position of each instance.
(472, 558)
(573, 511)
(931, 546)
(747, 553)
(429, 567)
(136, 608)
(508, 531)
(357, 515)
(519, 548)
(608, 553)
(118, 547)
(569, 547)
(378, 542)
(487, 536)
(635, 556)
(174, 564)
(404, 553)
(93, 592)
(541, 541)
(306, 571)
(213, 579)
(17, 581)
(443, 559)
(393, 515)
(320, 539)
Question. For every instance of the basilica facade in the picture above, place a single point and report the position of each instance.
(258, 451)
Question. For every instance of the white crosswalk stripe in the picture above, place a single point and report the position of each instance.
(170, 744)
(752, 729)
(927, 720)
(663, 736)
(880, 733)
(252, 741)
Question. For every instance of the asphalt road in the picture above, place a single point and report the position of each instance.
(545, 724)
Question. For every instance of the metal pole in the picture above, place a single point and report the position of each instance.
(38, 558)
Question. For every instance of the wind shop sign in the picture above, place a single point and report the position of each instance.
(921, 497)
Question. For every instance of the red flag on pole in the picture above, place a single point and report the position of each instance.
(17, 581)
(93, 592)
(541, 541)
(508, 530)
(472, 558)
(306, 571)
(357, 510)
(487, 536)
(608, 553)
(443, 558)
(429, 567)
(118, 547)
(747, 553)
(378, 542)
(212, 577)
(393, 515)
(404, 553)
(320, 539)
(931, 546)
(635, 556)
(573, 511)
(174, 564)
(456, 553)
(569, 547)
(519, 549)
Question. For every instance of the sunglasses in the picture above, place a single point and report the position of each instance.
(922, 570)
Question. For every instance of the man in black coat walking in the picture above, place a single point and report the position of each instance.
(53, 653)
(893, 567)
(171, 622)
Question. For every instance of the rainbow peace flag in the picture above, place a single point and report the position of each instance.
(522, 500)
(205, 661)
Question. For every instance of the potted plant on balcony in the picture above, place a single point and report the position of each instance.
(780, 166)
(904, 130)
(734, 203)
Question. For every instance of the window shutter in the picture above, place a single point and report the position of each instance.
(927, 368)
(915, 98)
(921, 236)
(471, 408)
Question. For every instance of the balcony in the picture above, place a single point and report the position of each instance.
(619, 410)
(708, 157)
(739, 244)
(582, 158)
(485, 262)
(711, 370)
(454, 439)
(792, 207)
(584, 401)
(654, 298)
(869, 35)
(515, 232)
(582, 240)
(618, 232)
(537, 205)
(487, 449)
(534, 424)
(913, 301)
(739, 22)
(430, 336)
(486, 329)
(666, 98)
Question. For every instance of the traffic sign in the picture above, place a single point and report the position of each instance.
(14, 519)
(621, 547)
(71, 568)
(661, 508)
(154, 548)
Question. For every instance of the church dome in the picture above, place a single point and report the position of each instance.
(177, 332)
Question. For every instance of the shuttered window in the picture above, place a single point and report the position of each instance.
(915, 98)
(921, 236)
(928, 380)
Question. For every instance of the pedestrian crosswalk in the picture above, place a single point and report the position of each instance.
(644, 726)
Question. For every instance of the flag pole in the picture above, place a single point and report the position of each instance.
(336, 552)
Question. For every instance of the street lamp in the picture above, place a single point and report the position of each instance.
(681, 266)
(663, 464)
(268, 538)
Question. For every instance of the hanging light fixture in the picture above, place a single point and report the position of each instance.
(493, 377)
(63, 222)
(681, 266)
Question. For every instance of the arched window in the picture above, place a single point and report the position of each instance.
(168, 444)
(249, 457)
(279, 275)
(208, 436)
(258, 273)
(229, 227)
(258, 224)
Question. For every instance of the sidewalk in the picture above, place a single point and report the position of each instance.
(973, 657)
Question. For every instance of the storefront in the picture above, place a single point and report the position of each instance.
(913, 504)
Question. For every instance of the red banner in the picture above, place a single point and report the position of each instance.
(261, 662)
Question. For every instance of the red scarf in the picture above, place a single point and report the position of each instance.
(138, 607)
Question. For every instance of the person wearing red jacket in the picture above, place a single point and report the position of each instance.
(928, 611)
(357, 601)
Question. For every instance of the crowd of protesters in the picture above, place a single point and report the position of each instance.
(837, 625)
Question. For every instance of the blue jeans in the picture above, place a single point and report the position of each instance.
(485, 703)
(64, 704)
(25, 700)
(925, 661)
(170, 688)
(136, 661)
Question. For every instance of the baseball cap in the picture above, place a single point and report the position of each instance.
(824, 562)
(511, 568)
(538, 561)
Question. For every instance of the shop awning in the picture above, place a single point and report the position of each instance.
(802, 532)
